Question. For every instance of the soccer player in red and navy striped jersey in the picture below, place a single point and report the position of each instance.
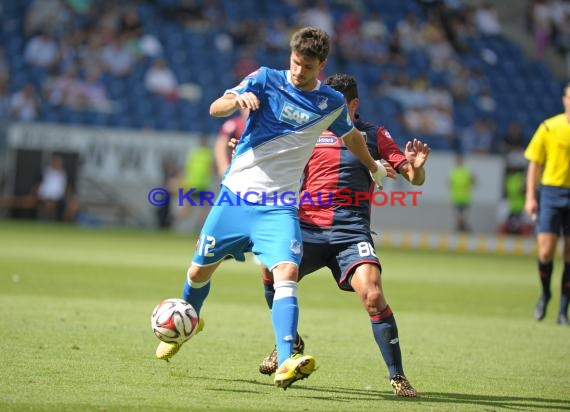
(336, 234)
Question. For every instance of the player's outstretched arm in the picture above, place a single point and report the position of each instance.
(227, 104)
(416, 153)
(356, 144)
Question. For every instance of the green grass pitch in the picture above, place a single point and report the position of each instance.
(75, 331)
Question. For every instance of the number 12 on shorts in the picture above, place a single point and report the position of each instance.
(205, 244)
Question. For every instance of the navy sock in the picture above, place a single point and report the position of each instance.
(269, 292)
(386, 335)
(565, 290)
(545, 273)
(196, 295)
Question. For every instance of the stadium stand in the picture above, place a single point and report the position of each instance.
(448, 72)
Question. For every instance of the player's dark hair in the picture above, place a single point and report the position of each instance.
(345, 84)
(311, 42)
(565, 89)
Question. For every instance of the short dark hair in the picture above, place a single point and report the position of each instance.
(565, 89)
(344, 83)
(311, 42)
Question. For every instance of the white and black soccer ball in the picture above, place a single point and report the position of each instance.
(174, 321)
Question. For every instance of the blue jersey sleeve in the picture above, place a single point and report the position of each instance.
(342, 124)
(253, 82)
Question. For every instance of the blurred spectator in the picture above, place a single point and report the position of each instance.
(52, 190)
(169, 182)
(373, 27)
(4, 74)
(24, 104)
(479, 137)
(116, 57)
(563, 40)
(150, 46)
(541, 26)
(486, 102)
(350, 22)
(94, 95)
(213, 13)
(245, 64)
(47, 16)
(410, 33)
(108, 23)
(277, 35)
(130, 24)
(319, 15)
(42, 51)
(4, 102)
(62, 90)
(461, 183)
(160, 79)
(246, 33)
(516, 221)
(198, 175)
(190, 13)
(437, 47)
(486, 19)
(512, 145)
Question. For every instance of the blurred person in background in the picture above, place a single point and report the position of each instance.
(461, 183)
(198, 177)
(548, 154)
(52, 190)
(516, 221)
(24, 104)
(231, 129)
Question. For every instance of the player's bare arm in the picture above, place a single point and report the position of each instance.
(416, 153)
(227, 104)
(532, 177)
(356, 144)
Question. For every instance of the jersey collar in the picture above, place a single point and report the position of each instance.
(317, 87)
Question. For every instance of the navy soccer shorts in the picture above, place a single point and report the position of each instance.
(341, 259)
(554, 210)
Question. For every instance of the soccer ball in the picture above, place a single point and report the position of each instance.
(174, 321)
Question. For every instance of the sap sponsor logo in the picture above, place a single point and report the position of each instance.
(327, 140)
(295, 115)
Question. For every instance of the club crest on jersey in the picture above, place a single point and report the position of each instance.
(295, 116)
(322, 102)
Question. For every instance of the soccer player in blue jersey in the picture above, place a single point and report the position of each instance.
(337, 234)
(288, 111)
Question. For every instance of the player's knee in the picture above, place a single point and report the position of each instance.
(285, 271)
(372, 298)
(546, 255)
